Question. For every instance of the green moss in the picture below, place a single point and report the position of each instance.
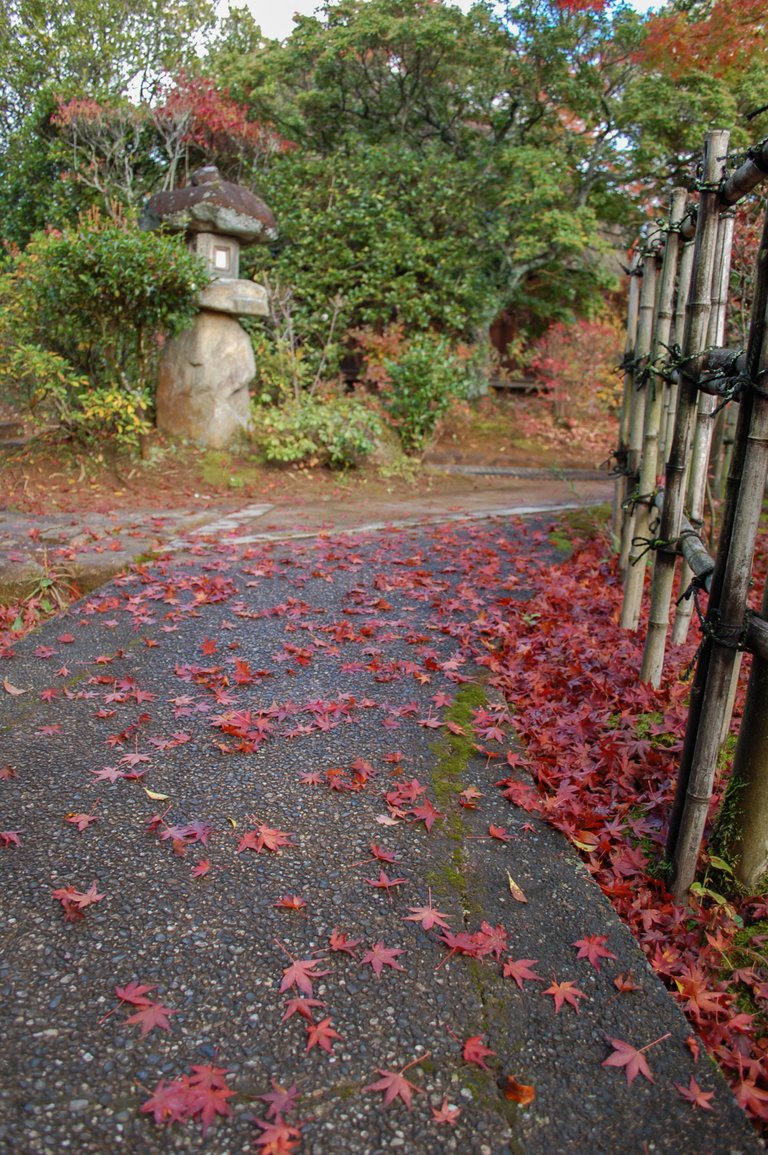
(743, 954)
(220, 470)
(579, 524)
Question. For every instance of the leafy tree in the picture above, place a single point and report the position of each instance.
(83, 48)
(448, 164)
(701, 65)
(59, 50)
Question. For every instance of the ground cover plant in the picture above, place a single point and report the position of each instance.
(505, 658)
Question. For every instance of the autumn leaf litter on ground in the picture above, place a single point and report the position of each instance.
(387, 940)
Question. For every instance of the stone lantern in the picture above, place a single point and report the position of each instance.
(205, 372)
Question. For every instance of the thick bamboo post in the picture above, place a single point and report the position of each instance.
(727, 604)
(620, 488)
(748, 788)
(683, 291)
(645, 319)
(649, 465)
(702, 438)
(694, 343)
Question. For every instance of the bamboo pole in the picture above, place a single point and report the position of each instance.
(702, 438)
(727, 603)
(620, 488)
(683, 291)
(694, 342)
(718, 447)
(645, 319)
(748, 788)
(649, 466)
(747, 177)
(729, 436)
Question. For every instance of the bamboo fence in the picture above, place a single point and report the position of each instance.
(679, 375)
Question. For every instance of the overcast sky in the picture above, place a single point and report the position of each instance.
(275, 16)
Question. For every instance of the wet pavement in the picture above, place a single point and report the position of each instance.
(279, 750)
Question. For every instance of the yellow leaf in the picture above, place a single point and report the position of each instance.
(153, 794)
(515, 890)
(232, 823)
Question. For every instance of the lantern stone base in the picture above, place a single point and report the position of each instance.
(202, 388)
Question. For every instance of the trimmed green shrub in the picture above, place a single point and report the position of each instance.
(339, 432)
(84, 315)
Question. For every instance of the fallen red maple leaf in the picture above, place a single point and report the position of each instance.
(290, 902)
(168, 1102)
(380, 956)
(384, 882)
(10, 838)
(446, 1113)
(208, 1093)
(468, 799)
(565, 992)
(632, 1060)
(520, 969)
(339, 941)
(188, 833)
(500, 833)
(592, 947)
(394, 1085)
(81, 821)
(321, 1035)
(203, 1094)
(425, 813)
(428, 916)
(379, 852)
(301, 1006)
(752, 1098)
(277, 1137)
(300, 974)
(695, 1095)
(475, 1051)
(626, 983)
(75, 901)
(134, 993)
(280, 1100)
(264, 838)
(150, 1015)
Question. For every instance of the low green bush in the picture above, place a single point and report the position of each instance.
(417, 379)
(339, 432)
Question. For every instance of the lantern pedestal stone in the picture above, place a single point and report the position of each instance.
(202, 388)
